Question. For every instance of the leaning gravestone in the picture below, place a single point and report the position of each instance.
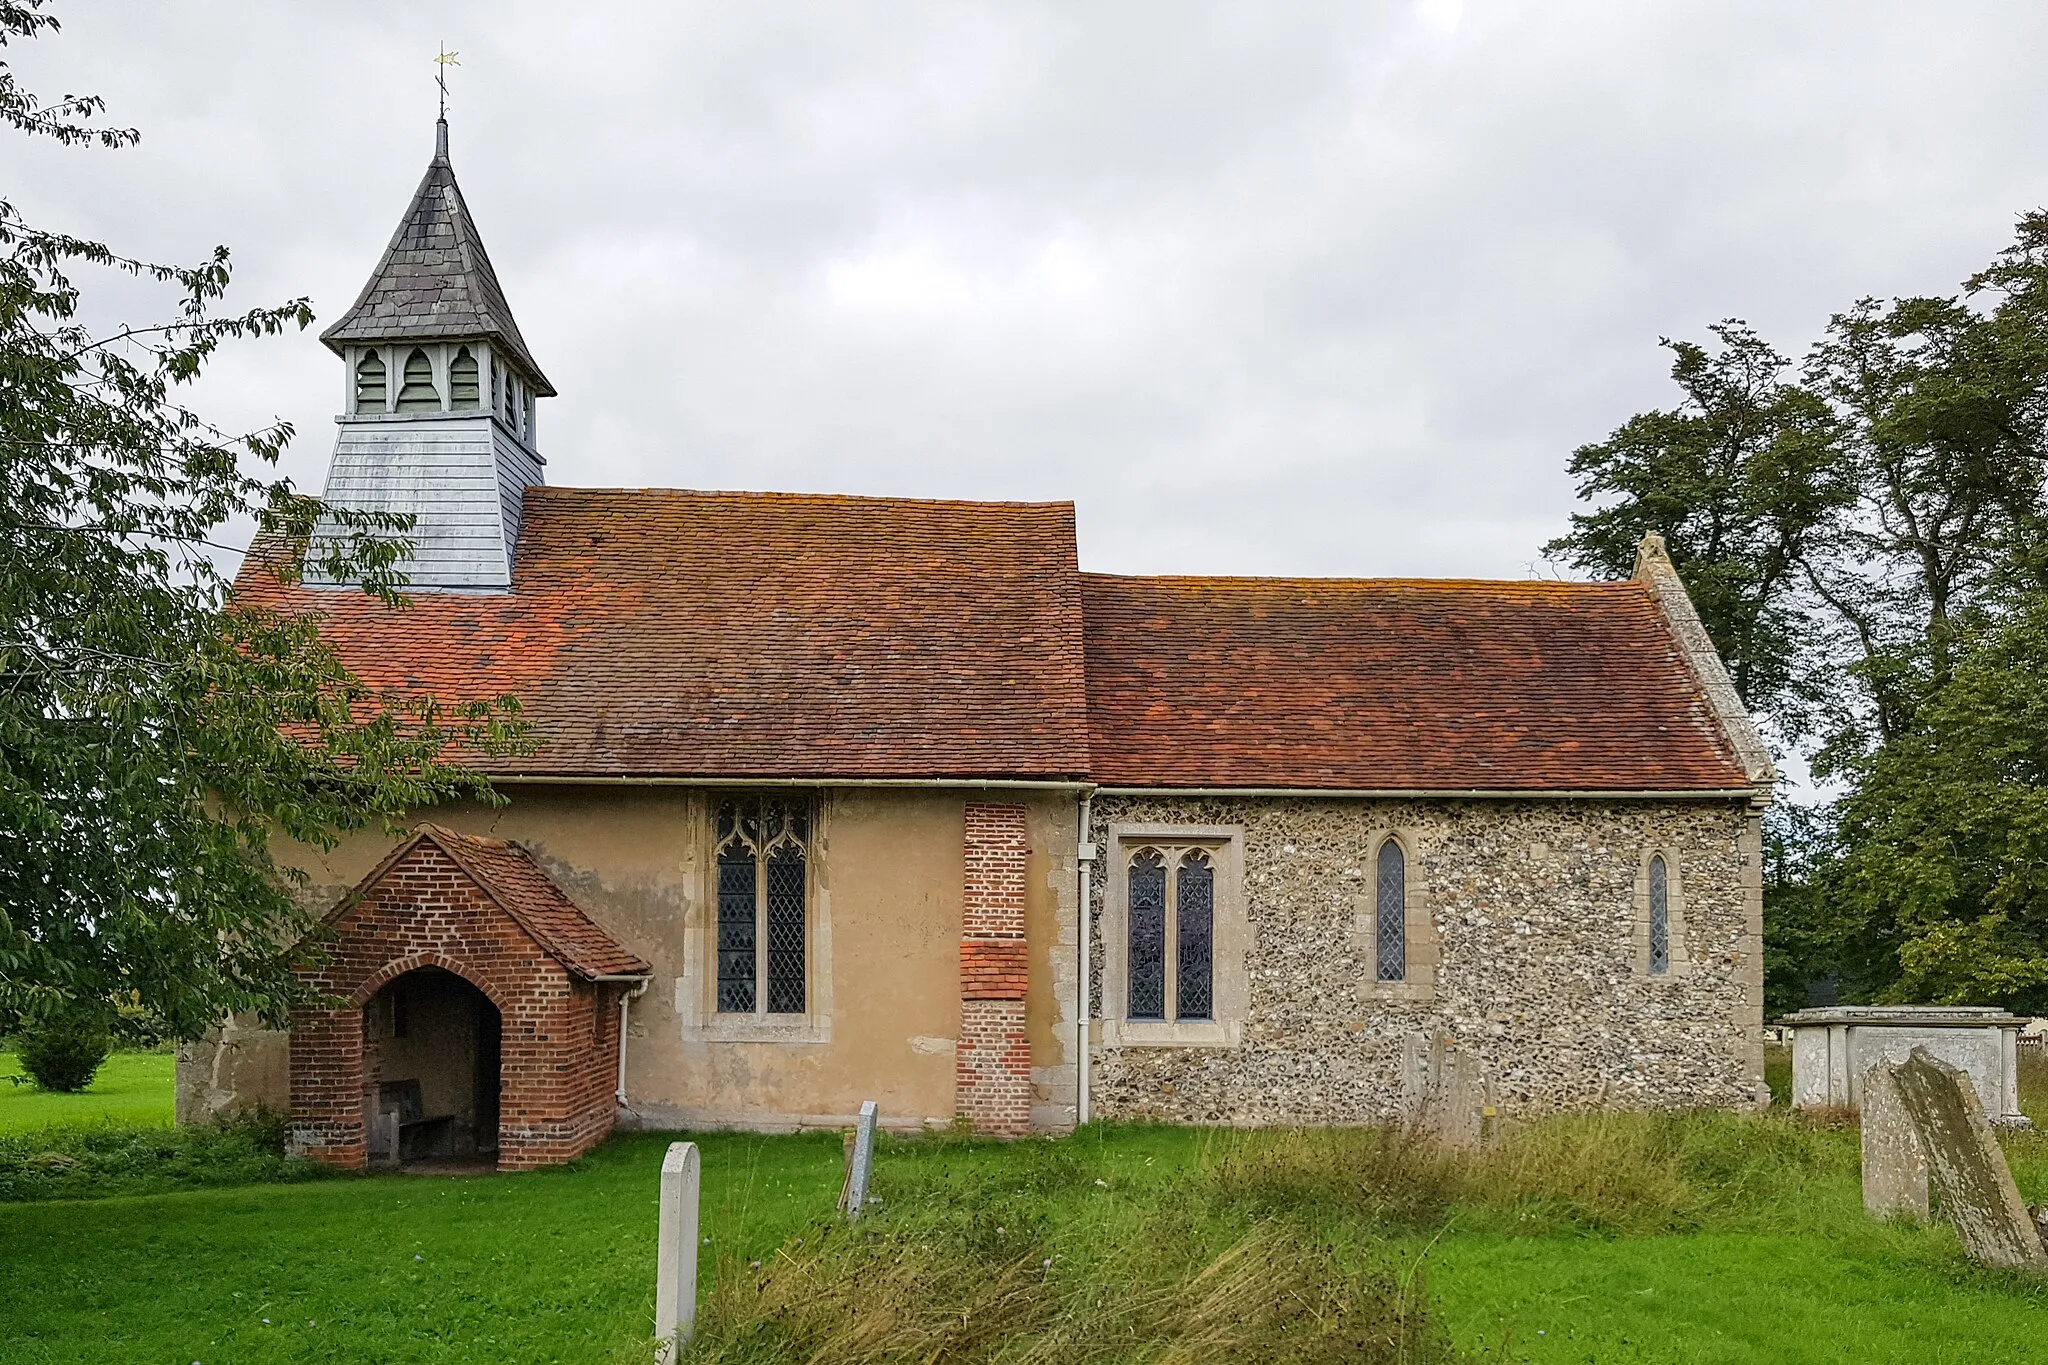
(860, 1162)
(675, 1275)
(1894, 1162)
(1965, 1165)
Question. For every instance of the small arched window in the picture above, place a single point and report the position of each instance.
(1194, 925)
(370, 389)
(1148, 935)
(419, 393)
(1391, 904)
(462, 383)
(1660, 916)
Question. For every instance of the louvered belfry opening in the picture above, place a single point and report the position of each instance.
(462, 380)
(370, 383)
(763, 848)
(419, 393)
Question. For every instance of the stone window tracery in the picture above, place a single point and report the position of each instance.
(762, 846)
(1171, 924)
(1391, 891)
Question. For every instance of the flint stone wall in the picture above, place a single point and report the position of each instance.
(1539, 971)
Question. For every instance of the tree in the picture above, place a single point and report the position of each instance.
(1868, 543)
(154, 734)
(1944, 865)
(1738, 477)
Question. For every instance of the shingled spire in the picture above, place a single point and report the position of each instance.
(436, 281)
(439, 416)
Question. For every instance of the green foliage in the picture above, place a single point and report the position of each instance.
(1945, 835)
(155, 733)
(62, 1052)
(133, 1089)
(1854, 536)
(94, 1162)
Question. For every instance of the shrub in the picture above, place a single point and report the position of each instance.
(64, 1053)
(95, 1161)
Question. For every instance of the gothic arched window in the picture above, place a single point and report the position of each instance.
(1391, 904)
(462, 380)
(370, 388)
(419, 393)
(1660, 916)
(763, 849)
(1194, 934)
(1148, 935)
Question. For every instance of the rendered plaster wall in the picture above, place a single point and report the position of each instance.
(1539, 969)
(886, 926)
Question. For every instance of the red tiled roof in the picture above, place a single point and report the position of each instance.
(664, 633)
(1392, 684)
(509, 876)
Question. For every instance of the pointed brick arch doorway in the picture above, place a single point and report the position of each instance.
(460, 924)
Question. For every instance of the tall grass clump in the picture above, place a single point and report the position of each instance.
(879, 1295)
(1607, 1172)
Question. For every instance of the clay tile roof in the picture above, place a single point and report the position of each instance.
(510, 876)
(435, 282)
(1393, 685)
(667, 633)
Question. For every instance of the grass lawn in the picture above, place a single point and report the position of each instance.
(1775, 1263)
(133, 1088)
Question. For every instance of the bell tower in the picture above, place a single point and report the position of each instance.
(437, 419)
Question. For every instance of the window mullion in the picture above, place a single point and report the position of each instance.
(761, 919)
(1172, 1007)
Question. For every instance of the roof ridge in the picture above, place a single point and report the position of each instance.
(1309, 580)
(775, 495)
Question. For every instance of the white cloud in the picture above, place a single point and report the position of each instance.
(1280, 288)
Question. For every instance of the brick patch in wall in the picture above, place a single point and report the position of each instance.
(992, 1074)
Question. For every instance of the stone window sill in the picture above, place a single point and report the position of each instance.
(1422, 991)
(1157, 1033)
(757, 1028)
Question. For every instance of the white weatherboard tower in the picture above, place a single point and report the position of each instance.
(438, 419)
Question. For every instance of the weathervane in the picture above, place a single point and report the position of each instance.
(444, 61)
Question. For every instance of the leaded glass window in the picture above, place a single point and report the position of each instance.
(763, 856)
(370, 383)
(419, 393)
(1660, 916)
(1391, 904)
(1170, 927)
(1194, 904)
(1148, 935)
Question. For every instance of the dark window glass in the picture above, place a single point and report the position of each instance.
(1194, 922)
(370, 383)
(1392, 904)
(462, 380)
(1148, 935)
(763, 900)
(1660, 917)
(736, 878)
(419, 393)
(786, 930)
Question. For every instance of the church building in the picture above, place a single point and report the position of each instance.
(831, 799)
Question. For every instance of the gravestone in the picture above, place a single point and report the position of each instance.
(1894, 1162)
(1446, 1090)
(675, 1276)
(1964, 1163)
(860, 1162)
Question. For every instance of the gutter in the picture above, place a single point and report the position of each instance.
(1006, 783)
(1447, 793)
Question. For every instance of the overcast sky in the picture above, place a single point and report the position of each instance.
(1265, 288)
